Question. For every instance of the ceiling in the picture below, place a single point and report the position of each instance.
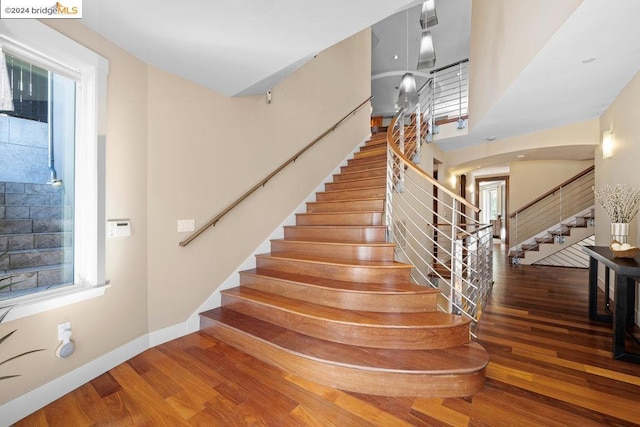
(239, 47)
(399, 35)
(245, 47)
(574, 77)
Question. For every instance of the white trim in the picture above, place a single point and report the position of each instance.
(41, 44)
(30, 402)
(39, 303)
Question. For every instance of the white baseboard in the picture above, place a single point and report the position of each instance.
(21, 406)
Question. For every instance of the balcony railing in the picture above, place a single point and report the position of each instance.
(434, 229)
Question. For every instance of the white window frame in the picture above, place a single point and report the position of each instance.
(43, 46)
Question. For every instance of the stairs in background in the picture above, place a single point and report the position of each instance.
(33, 220)
(556, 240)
(330, 304)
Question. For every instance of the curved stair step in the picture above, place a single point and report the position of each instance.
(359, 160)
(342, 250)
(336, 269)
(453, 372)
(353, 205)
(382, 163)
(356, 183)
(417, 331)
(368, 173)
(327, 233)
(340, 218)
(372, 153)
(371, 192)
(395, 298)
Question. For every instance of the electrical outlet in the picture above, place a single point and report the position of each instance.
(61, 328)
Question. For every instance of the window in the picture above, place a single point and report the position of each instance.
(51, 131)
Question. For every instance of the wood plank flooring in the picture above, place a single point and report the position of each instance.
(549, 366)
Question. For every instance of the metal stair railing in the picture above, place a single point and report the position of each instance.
(556, 210)
(435, 229)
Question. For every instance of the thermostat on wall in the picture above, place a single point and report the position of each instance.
(118, 228)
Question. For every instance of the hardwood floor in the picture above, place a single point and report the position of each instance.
(549, 365)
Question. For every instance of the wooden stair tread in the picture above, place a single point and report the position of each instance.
(334, 261)
(453, 360)
(350, 287)
(346, 206)
(424, 320)
(338, 243)
(328, 233)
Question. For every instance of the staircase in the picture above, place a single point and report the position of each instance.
(330, 304)
(556, 239)
(33, 220)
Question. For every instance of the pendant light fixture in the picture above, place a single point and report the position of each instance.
(408, 95)
(427, 57)
(428, 18)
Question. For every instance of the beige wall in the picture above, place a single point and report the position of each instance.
(622, 168)
(179, 151)
(503, 151)
(507, 34)
(99, 325)
(205, 150)
(531, 179)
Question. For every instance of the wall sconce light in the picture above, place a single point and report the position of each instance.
(453, 181)
(607, 144)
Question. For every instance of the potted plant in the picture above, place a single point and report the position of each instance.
(622, 203)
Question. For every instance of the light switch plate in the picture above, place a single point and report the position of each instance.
(186, 225)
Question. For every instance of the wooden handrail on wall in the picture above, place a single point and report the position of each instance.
(212, 222)
(553, 190)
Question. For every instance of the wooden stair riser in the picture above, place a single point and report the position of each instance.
(327, 196)
(370, 153)
(363, 205)
(361, 160)
(356, 183)
(381, 302)
(340, 218)
(363, 334)
(346, 272)
(398, 384)
(337, 234)
(370, 173)
(353, 251)
(364, 166)
(374, 143)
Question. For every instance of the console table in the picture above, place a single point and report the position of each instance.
(627, 272)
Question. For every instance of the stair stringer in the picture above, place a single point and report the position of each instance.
(571, 256)
(215, 299)
(577, 234)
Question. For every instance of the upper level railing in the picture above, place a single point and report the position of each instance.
(212, 222)
(555, 209)
(435, 229)
(447, 97)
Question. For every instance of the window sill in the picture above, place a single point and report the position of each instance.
(55, 299)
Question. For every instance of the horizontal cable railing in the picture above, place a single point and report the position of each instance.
(555, 211)
(212, 222)
(435, 229)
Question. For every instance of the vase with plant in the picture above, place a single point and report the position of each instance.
(621, 202)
